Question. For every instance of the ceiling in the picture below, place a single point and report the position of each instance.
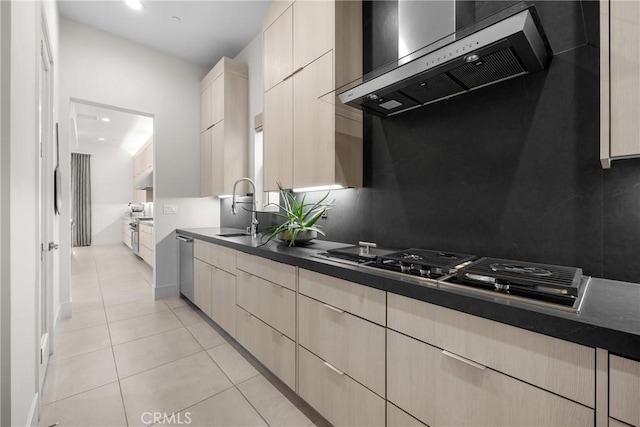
(207, 31)
(125, 130)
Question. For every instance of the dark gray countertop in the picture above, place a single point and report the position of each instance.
(610, 315)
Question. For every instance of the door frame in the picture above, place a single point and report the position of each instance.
(45, 225)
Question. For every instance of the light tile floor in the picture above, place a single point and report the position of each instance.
(124, 359)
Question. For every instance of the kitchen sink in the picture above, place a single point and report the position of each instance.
(232, 234)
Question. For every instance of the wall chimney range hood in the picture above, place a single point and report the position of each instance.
(145, 182)
(505, 45)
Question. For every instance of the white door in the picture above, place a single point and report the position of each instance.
(46, 210)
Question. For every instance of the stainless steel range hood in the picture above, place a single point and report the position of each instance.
(508, 44)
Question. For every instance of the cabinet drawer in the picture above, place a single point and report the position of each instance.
(276, 272)
(223, 300)
(556, 365)
(360, 300)
(442, 390)
(351, 344)
(396, 417)
(145, 240)
(624, 390)
(615, 423)
(272, 348)
(147, 255)
(202, 286)
(273, 304)
(337, 397)
(218, 256)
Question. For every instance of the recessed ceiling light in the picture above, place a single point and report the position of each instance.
(106, 119)
(100, 139)
(134, 4)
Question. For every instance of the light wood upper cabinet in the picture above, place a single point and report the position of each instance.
(278, 136)
(142, 165)
(624, 390)
(619, 80)
(223, 127)
(313, 130)
(278, 49)
(312, 30)
(308, 140)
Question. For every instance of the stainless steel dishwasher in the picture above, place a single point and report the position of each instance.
(185, 273)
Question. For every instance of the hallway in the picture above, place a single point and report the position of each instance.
(124, 359)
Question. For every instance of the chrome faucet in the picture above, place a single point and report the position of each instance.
(253, 229)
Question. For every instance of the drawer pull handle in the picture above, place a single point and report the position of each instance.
(295, 72)
(333, 368)
(464, 360)
(330, 307)
(278, 333)
(247, 313)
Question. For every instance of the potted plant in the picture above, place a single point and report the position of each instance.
(300, 219)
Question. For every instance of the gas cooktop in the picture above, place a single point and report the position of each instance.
(545, 285)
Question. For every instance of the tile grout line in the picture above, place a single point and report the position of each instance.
(113, 355)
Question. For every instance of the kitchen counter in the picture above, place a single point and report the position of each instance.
(610, 315)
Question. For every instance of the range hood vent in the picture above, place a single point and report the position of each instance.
(145, 183)
(508, 44)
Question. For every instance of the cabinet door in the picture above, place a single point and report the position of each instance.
(212, 161)
(351, 344)
(278, 136)
(625, 77)
(217, 159)
(206, 171)
(278, 50)
(223, 300)
(313, 125)
(202, 286)
(273, 304)
(205, 109)
(272, 348)
(217, 100)
(441, 388)
(335, 395)
(624, 390)
(312, 30)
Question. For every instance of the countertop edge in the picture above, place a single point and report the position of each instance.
(577, 328)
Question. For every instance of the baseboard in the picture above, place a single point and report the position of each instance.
(33, 411)
(166, 291)
(65, 310)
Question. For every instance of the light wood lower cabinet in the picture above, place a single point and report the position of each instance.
(273, 271)
(624, 390)
(126, 233)
(202, 285)
(269, 346)
(215, 255)
(363, 301)
(442, 388)
(223, 300)
(396, 417)
(351, 344)
(615, 423)
(272, 303)
(339, 398)
(556, 365)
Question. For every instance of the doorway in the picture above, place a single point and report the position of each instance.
(120, 145)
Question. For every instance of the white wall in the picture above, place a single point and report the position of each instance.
(105, 69)
(111, 190)
(20, 239)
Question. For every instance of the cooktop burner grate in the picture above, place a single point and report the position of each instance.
(428, 258)
(525, 274)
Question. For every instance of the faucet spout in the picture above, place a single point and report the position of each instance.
(253, 228)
